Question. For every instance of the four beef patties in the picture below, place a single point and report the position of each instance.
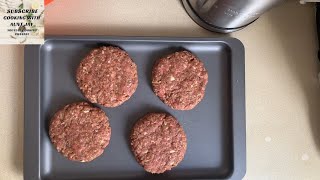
(180, 80)
(107, 76)
(158, 142)
(80, 132)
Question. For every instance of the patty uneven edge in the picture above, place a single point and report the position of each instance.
(180, 80)
(158, 142)
(107, 76)
(80, 132)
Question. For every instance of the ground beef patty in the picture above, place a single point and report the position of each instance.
(80, 131)
(180, 80)
(158, 142)
(107, 76)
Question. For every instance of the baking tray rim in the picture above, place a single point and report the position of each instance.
(32, 91)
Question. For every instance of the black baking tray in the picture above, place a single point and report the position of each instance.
(215, 128)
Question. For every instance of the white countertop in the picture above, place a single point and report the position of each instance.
(282, 89)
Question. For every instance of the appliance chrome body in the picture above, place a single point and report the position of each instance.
(226, 16)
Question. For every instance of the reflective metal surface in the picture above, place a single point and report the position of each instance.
(226, 15)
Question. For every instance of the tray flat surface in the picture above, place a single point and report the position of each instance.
(215, 129)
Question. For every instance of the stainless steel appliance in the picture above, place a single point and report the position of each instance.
(226, 16)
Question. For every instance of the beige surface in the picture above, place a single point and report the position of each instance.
(282, 89)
